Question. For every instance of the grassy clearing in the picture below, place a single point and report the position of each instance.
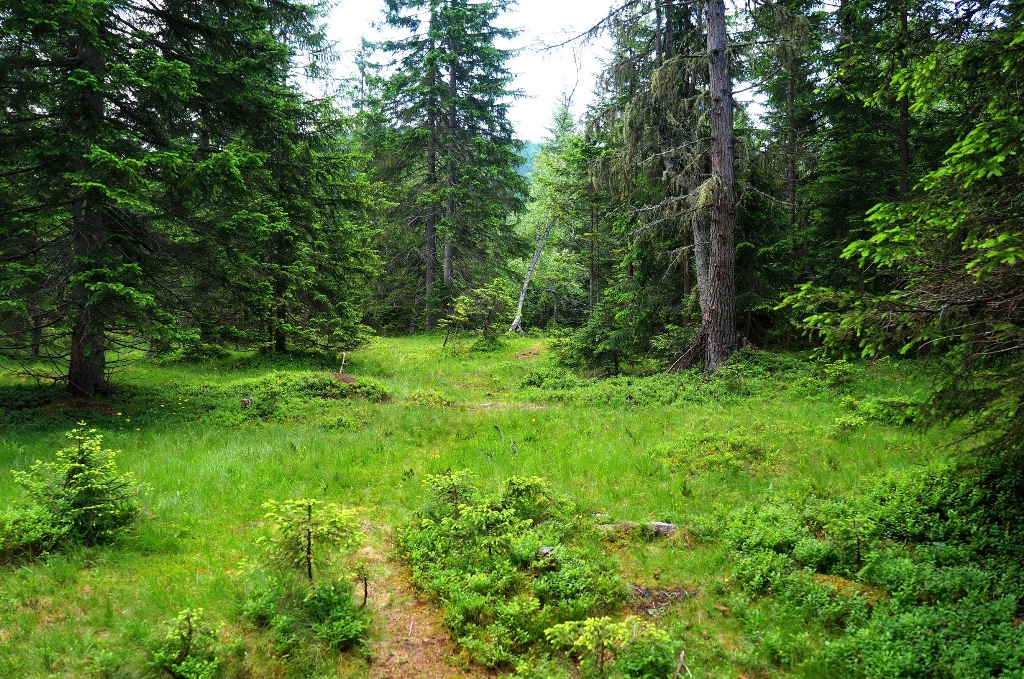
(666, 448)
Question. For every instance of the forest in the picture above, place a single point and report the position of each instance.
(314, 367)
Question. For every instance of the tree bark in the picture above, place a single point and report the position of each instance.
(720, 314)
(431, 233)
(791, 141)
(449, 245)
(280, 339)
(904, 104)
(87, 367)
(517, 324)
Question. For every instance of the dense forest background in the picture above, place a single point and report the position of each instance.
(726, 370)
(168, 184)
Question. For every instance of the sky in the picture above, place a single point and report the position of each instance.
(542, 76)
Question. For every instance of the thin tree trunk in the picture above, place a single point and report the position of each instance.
(791, 143)
(87, 367)
(720, 313)
(517, 324)
(904, 104)
(431, 233)
(280, 314)
(701, 258)
(280, 339)
(449, 245)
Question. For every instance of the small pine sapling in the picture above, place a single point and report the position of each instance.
(600, 642)
(305, 532)
(449, 492)
(81, 496)
(189, 649)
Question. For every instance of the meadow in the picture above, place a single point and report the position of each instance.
(214, 439)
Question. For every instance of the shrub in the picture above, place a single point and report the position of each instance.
(306, 536)
(79, 497)
(430, 398)
(333, 615)
(838, 374)
(189, 648)
(729, 452)
(917, 575)
(304, 533)
(628, 648)
(480, 558)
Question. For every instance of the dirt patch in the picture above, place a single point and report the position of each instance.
(872, 595)
(653, 602)
(410, 642)
(532, 352)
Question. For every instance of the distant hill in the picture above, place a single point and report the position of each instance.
(530, 150)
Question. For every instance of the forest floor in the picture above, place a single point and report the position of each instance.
(614, 446)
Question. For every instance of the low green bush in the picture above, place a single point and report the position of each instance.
(919, 575)
(716, 452)
(506, 567)
(429, 398)
(189, 648)
(80, 498)
(605, 648)
(300, 592)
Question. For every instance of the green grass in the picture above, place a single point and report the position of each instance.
(210, 466)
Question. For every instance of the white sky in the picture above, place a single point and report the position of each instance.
(543, 76)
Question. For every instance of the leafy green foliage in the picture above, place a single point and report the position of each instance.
(306, 537)
(299, 617)
(487, 308)
(79, 497)
(189, 648)
(605, 648)
(481, 559)
(915, 576)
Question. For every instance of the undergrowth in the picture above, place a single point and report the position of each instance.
(918, 575)
(506, 567)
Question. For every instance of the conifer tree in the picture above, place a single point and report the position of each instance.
(120, 119)
(438, 112)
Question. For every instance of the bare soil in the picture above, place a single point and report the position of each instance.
(411, 642)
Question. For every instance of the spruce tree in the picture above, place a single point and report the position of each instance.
(117, 114)
(438, 113)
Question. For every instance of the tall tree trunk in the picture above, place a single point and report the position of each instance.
(720, 313)
(280, 339)
(280, 314)
(449, 245)
(37, 335)
(517, 324)
(87, 367)
(431, 234)
(904, 104)
(791, 141)
(594, 292)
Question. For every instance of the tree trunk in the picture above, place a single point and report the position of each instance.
(431, 233)
(904, 104)
(87, 367)
(791, 142)
(593, 260)
(280, 339)
(720, 313)
(517, 324)
(449, 245)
